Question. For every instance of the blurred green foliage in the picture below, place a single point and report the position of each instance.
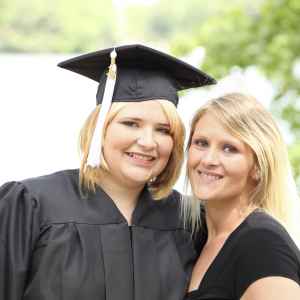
(264, 34)
(239, 33)
(55, 25)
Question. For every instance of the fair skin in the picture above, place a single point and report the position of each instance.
(137, 147)
(272, 288)
(222, 173)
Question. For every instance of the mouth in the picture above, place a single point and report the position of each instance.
(141, 157)
(209, 177)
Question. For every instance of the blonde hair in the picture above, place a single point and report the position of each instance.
(249, 121)
(162, 185)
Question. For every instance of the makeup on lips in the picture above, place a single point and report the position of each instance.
(141, 159)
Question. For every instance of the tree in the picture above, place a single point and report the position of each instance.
(242, 33)
(265, 35)
(55, 26)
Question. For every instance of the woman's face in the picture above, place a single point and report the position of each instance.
(137, 143)
(220, 166)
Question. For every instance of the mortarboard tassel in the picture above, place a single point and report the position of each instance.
(93, 159)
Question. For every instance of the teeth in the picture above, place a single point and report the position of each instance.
(140, 156)
(210, 177)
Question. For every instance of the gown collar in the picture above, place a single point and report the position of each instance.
(157, 214)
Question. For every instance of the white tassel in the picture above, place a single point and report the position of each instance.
(95, 150)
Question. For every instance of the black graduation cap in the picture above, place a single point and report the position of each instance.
(132, 73)
(143, 73)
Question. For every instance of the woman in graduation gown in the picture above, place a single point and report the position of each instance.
(238, 166)
(100, 232)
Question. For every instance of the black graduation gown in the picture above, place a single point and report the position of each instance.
(56, 245)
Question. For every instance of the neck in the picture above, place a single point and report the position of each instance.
(222, 220)
(124, 197)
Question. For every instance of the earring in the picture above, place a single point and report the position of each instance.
(152, 180)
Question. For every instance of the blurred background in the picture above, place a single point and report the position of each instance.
(250, 46)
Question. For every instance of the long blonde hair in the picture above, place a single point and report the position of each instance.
(164, 182)
(249, 121)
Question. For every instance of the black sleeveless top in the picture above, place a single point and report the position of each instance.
(259, 247)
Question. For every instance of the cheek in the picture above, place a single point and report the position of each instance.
(107, 153)
(193, 158)
(112, 149)
(117, 138)
(166, 146)
(238, 169)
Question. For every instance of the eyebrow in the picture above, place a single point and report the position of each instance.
(141, 120)
(164, 124)
(230, 140)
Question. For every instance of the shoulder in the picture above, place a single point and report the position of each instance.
(19, 213)
(52, 183)
(172, 201)
(163, 214)
(16, 194)
(264, 232)
(264, 249)
(41, 189)
(170, 209)
(54, 188)
(58, 196)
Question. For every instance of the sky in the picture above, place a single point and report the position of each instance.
(43, 108)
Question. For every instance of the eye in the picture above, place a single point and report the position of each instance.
(164, 130)
(130, 123)
(230, 148)
(200, 142)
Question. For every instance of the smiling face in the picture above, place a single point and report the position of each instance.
(220, 166)
(137, 143)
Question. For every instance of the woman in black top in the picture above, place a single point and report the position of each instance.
(98, 232)
(238, 167)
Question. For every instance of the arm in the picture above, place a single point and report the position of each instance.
(18, 230)
(268, 266)
(272, 288)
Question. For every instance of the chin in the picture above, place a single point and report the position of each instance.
(205, 196)
(139, 174)
(137, 179)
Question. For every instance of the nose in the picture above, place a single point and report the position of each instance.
(146, 139)
(210, 157)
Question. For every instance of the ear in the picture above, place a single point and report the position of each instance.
(255, 173)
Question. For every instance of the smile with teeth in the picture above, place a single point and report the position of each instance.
(138, 156)
(209, 177)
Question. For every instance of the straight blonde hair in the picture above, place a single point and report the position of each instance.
(249, 121)
(162, 185)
